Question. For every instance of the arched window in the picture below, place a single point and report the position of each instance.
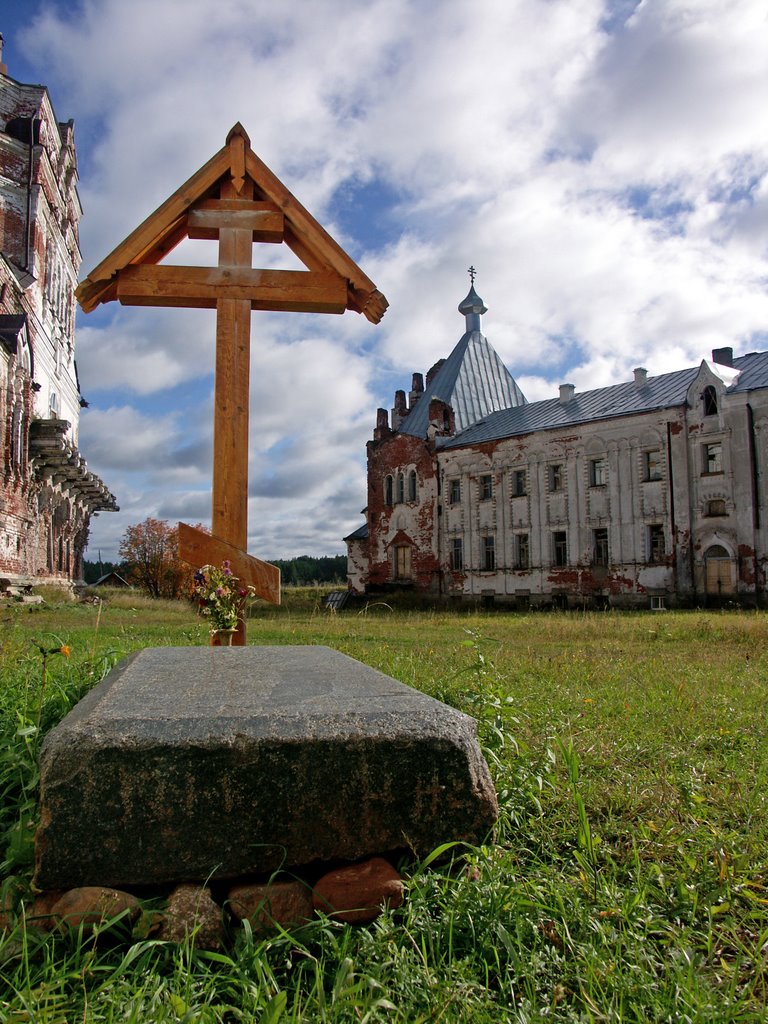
(54, 407)
(387, 490)
(25, 355)
(412, 486)
(400, 488)
(709, 398)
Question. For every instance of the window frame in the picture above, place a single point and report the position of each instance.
(722, 508)
(559, 548)
(522, 551)
(485, 487)
(657, 543)
(556, 477)
(600, 547)
(712, 454)
(489, 553)
(653, 468)
(598, 472)
(456, 554)
(454, 490)
(709, 403)
(413, 486)
(519, 483)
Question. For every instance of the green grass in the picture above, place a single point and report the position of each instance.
(627, 879)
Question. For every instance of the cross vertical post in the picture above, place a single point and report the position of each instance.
(229, 514)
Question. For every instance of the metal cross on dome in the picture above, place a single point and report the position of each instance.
(472, 274)
(234, 199)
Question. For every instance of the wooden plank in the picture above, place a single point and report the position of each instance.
(265, 225)
(305, 227)
(287, 290)
(230, 424)
(199, 549)
(146, 235)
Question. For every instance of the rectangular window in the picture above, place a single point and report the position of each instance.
(518, 483)
(457, 553)
(486, 487)
(489, 554)
(600, 547)
(559, 548)
(454, 491)
(713, 457)
(556, 477)
(656, 545)
(523, 551)
(403, 562)
(598, 472)
(653, 465)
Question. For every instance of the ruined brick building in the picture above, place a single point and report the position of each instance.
(47, 494)
(649, 493)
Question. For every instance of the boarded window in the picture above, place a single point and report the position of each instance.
(713, 457)
(709, 399)
(403, 562)
(719, 574)
(716, 507)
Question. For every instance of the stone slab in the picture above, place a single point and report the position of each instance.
(192, 763)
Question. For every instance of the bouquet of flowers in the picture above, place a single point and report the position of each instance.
(219, 596)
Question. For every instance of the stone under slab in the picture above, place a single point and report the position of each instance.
(195, 763)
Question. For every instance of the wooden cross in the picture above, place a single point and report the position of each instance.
(236, 199)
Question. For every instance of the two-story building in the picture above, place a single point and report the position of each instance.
(648, 493)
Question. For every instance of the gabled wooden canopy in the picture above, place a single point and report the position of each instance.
(332, 282)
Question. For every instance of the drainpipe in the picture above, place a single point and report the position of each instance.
(30, 168)
(672, 523)
(755, 498)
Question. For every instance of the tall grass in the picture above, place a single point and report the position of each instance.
(626, 880)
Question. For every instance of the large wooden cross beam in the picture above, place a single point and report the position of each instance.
(237, 200)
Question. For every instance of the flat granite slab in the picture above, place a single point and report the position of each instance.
(189, 763)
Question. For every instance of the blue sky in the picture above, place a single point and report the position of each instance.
(604, 165)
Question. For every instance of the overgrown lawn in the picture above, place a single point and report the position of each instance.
(626, 880)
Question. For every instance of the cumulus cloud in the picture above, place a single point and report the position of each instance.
(603, 164)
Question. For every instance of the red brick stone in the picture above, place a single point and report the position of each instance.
(273, 905)
(357, 894)
(94, 904)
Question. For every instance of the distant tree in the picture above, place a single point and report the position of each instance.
(308, 569)
(150, 550)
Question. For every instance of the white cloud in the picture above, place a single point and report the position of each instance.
(603, 165)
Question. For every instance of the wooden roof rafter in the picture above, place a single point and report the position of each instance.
(196, 210)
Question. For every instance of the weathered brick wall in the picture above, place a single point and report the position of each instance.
(44, 513)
